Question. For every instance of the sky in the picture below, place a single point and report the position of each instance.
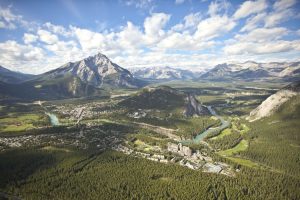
(37, 36)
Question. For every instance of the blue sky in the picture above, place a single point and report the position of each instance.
(37, 36)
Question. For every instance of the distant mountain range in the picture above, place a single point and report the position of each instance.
(90, 76)
(163, 73)
(254, 71)
(97, 74)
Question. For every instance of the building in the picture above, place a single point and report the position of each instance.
(180, 149)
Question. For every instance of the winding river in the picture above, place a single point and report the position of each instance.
(201, 136)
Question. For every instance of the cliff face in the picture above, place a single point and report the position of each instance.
(273, 102)
(193, 107)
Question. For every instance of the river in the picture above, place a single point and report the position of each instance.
(204, 134)
(53, 119)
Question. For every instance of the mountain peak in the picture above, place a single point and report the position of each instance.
(97, 70)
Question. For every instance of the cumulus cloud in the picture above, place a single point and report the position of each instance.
(85, 36)
(263, 34)
(152, 42)
(29, 38)
(250, 7)
(18, 56)
(262, 48)
(190, 21)
(213, 27)
(57, 29)
(47, 37)
(261, 41)
(154, 25)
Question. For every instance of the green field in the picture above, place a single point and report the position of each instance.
(242, 146)
(17, 123)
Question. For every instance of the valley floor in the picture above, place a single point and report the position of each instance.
(99, 149)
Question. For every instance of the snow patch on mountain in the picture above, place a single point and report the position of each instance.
(162, 73)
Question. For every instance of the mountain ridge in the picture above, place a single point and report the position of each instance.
(13, 77)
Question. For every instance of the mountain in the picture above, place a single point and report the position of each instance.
(254, 71)
(94, 75)
(165, 98)
(97, 71)
(8, 76)
(163, 73)
(275, 101)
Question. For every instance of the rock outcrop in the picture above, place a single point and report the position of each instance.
(273, 102)
(193, 107)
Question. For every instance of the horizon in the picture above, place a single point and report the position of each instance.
(195, 35)
(159, 67)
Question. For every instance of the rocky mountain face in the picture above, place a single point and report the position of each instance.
(163, 73)
(94, 75)
(97, 71)
(194, 107)
(273, 102)
(8, 76)
(253, 71)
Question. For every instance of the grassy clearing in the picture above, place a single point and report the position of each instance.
(225, 132)
(25, 117)
(20, 123)
(244, 162)
(245, 129)
(142, 145)
(53, 148)
(13, 128)
(242, 146)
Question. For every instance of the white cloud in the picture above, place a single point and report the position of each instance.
(190, 21)
(250, 7)
(253, 22)
(275, 18)
(178, 41)
(19, 57)
(143, 4)
(154, 25)
(29, 38)
(49, 45)
(47, 37)
(263, 34)
(130, 37)
(213, 27)
(179, 1)
(262, 48)
(283, 4)
(215, 7)
(9, 20)
(85, 37)
(2, 24)
(57, 29)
